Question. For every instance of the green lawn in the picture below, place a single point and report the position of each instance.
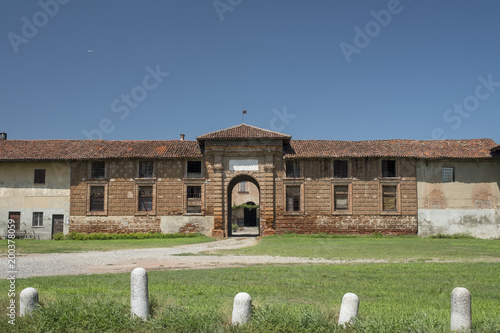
(406, 295)
(386, 248)
(393, 298)
(64, 246)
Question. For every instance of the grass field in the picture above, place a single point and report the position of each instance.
(410, 248)
(65, 246)
(394, 297)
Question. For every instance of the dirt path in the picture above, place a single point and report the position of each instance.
(118, 261)
(195, 256)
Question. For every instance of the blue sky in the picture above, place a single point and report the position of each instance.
(340, 70)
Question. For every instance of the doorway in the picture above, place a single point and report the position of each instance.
(57, 224)
(243, 198)
(16, 216)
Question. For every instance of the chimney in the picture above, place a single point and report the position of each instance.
(183, 136)
(3, 136)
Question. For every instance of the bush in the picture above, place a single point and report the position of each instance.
(136, 235)
(58, 236)
(454, 236)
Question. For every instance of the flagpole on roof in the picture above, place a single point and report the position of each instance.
(243, 116)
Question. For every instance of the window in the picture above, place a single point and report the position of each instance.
(193, 200)
(341, 197)
(96, 198)
(292, 169)
(98, 169)
(39, 176)
(145, 169)
(194, 192)
(388, 168)
(447, 174)
(242, 186)
(145, 198)
(389, 198)
(193, 169)
(293, 198)
(340, 169)
(37, 220)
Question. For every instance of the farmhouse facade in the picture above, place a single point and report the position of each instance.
(303, 186)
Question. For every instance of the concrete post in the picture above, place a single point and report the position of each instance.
(139, 296)
(460, 310)
(242, 309)
(28, 301)
(348, 309)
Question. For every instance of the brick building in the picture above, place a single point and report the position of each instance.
(303, 186)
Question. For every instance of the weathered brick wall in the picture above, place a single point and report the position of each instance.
(348, 224)
(114, 224)
(365, 216)
(317, 211)
(121, 215)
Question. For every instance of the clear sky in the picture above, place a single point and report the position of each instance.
(324, 69)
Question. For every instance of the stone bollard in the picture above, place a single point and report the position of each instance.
(139, 298)
(348, 309)
(460, 310)
(242, 309)
(28, 301)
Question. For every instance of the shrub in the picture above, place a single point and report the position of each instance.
(136, 235)
(454, 236)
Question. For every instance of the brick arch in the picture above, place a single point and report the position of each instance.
(232, 183)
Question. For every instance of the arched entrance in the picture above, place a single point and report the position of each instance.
(243, 209)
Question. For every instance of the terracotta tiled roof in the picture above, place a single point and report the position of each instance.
(243, 131)
(95, 149)
(474, 148)
(103, 149)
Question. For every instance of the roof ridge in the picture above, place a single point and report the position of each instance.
(219, 133)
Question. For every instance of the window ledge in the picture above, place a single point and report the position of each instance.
(145, 213)
(96, 214)
(37, 226)
(342, 213)
(390, 213)
(293, 213)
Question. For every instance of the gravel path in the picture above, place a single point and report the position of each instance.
(118, 261)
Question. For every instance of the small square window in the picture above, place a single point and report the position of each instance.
(98, 169)
(389, 198)
(96, 199)
(293, 169)
(145, 198)
(194, 169)
(340, 169)
(39, 176)
(37, 219)
(341, 197)
(388, 168)
(293, 198)
(146, 169)
(447, 174)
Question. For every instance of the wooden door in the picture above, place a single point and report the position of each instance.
(16, 216)
(57, 224)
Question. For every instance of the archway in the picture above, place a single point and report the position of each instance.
(243, 212)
